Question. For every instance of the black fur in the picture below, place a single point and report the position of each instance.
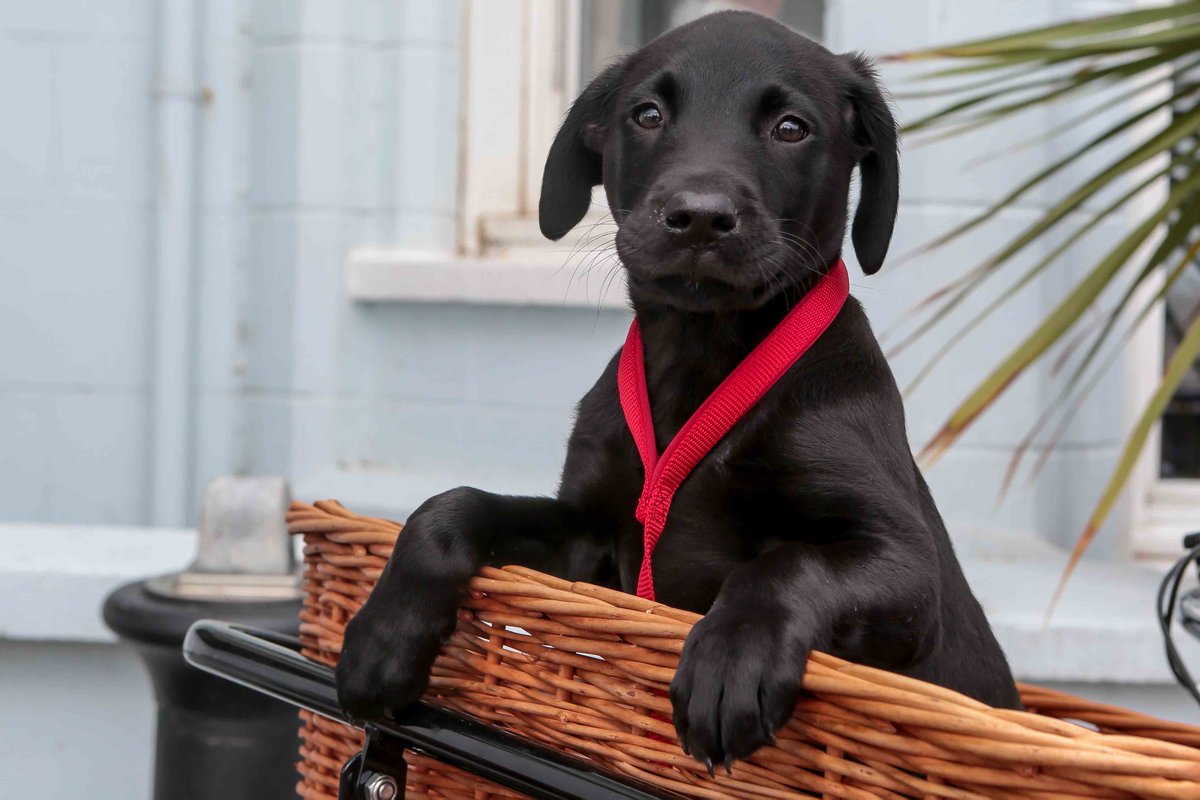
(809, 525)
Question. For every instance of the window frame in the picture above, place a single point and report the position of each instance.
(1159, 510)
(514, 55)
(1156, 512)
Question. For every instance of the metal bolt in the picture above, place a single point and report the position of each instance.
(381, 787)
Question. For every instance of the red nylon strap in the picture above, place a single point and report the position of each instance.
(740, 390)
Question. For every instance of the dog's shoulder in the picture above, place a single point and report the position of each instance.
(839, 404)
(598, 413)
(845, 364)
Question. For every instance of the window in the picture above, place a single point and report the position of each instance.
(1181, 422)
(562, 45)
(533, 56)
(1180, 451)
(613, 27)
(1166, 506)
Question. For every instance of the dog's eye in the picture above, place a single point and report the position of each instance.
(648, 116)
(791, 129)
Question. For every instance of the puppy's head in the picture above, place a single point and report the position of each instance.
(726, 149)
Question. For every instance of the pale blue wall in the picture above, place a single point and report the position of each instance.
(322, 127)
(330, 125)
(325, 126)
(75, 183)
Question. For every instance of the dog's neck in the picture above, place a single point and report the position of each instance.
(687, 354)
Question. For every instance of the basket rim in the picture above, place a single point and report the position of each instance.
(1016, 739)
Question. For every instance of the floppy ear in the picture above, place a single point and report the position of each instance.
(573, 165)
(874, 131)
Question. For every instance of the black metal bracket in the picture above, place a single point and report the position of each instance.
(1168, 602)
(271, 663)
(377, 772)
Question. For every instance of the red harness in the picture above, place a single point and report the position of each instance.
(748, 382)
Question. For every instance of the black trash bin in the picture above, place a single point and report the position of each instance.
(217, 740)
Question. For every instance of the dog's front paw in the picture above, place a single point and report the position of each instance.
(388, 652)
(390, 644)
(737, 684)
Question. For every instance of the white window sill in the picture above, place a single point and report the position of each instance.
(54, 578)
(531, 278)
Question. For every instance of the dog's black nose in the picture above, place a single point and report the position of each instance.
(699, 219)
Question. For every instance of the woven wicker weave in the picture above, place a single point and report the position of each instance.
(588, 668)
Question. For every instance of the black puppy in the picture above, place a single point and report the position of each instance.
(726, 149)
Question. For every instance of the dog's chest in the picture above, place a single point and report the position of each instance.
(715, 524)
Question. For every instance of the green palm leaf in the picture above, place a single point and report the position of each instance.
(1063, 87)
(1075, 391)
(1055, 325)
(997, 77)
(1180, 129)
(1037, 269)
(1180, 363)
(1053, 34)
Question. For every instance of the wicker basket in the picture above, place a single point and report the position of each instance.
(858, 733)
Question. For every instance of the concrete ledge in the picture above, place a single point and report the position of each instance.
(53, 578)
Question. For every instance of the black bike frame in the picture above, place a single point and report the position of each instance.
(270, 663)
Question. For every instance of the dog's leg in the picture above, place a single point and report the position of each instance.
(740, 672)
(392, 641)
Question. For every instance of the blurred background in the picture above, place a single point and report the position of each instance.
(299, 238)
